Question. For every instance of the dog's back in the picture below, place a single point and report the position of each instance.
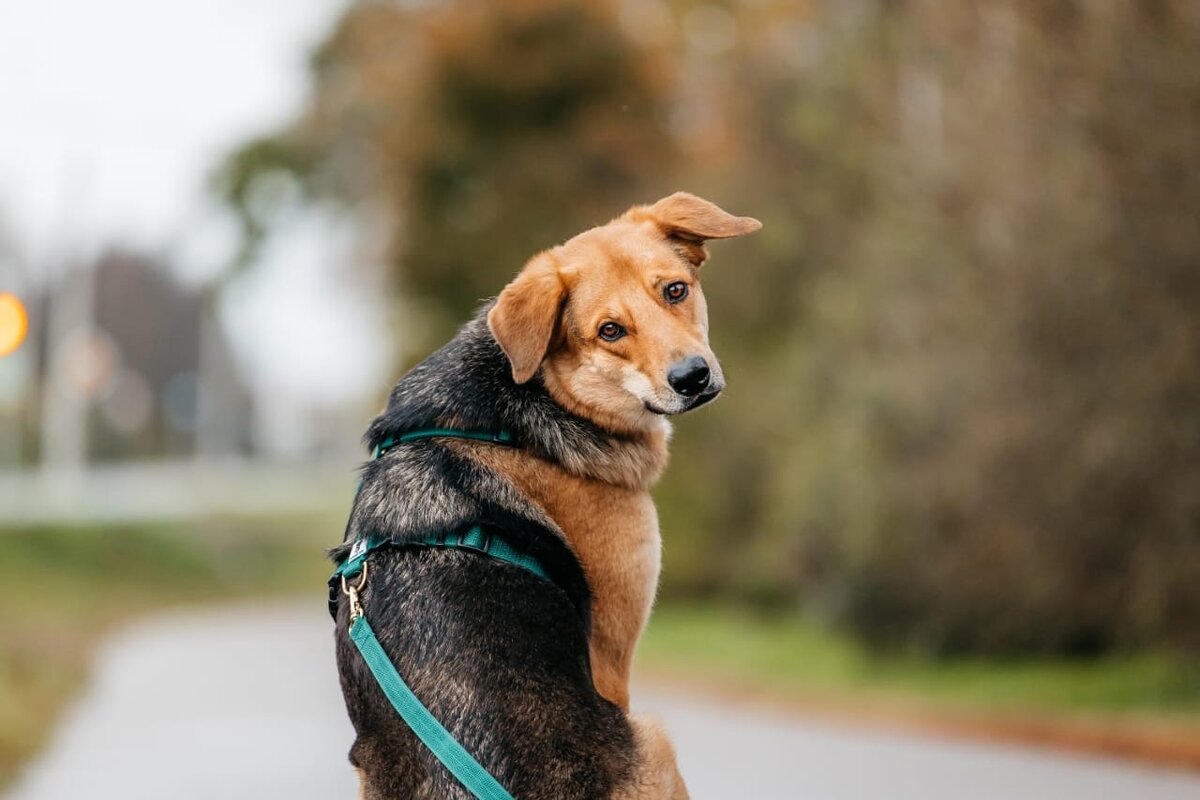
(499, 656)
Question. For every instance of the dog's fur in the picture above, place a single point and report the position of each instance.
(532, 676)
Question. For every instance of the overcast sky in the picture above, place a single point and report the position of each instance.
(112, 116)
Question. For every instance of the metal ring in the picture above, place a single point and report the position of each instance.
(362, 581)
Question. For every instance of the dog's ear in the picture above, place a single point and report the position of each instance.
(526, 313)
(690, 220)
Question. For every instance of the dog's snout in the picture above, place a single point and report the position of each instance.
(690, 376)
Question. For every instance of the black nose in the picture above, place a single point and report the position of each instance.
(689, 377)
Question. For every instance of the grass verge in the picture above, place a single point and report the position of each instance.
(62, 590)
(1143, 706)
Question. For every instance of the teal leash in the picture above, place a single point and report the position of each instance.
(461, 764)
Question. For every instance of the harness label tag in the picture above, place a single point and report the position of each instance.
(360, 547)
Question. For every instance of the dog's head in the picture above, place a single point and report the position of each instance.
(615, 319)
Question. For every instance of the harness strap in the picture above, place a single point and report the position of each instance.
(498, 437)
(461, 764)
(476, 538)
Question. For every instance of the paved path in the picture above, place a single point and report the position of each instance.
(243, 703)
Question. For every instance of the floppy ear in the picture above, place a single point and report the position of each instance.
(525, 315)
(690, 220)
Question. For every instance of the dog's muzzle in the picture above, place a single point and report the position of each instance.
(706, 397)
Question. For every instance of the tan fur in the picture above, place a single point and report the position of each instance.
(548, 320)
(657, 774)
(614, 532)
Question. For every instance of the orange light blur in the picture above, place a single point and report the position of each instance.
(14, 323)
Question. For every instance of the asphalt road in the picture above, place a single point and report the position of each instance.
(244, 703)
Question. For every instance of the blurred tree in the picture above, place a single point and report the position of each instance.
(1009, 454)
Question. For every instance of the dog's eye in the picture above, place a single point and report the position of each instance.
(611, 331)
(675, 292)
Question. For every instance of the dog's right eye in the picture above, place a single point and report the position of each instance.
(675, 292)
(611, 331)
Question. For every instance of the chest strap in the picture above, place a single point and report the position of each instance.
(476, 538)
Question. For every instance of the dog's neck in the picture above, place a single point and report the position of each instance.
(468, 384)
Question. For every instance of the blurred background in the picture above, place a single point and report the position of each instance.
(956, 474)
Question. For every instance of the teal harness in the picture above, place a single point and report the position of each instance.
(461, 764)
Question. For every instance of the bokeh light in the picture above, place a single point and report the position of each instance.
(14, 323)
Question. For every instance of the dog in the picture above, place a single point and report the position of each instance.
(580, 360)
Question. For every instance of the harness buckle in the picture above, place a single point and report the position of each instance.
(351, 591)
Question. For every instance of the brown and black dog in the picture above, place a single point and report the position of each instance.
(580, 360)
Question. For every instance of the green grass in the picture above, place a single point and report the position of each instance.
(62, 589)
(791, 657)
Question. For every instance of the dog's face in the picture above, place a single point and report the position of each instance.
(615, 318)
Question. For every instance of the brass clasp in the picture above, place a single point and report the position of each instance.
(351, 591)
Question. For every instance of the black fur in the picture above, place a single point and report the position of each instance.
(498, 655)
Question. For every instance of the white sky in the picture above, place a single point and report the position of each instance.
(112, 116)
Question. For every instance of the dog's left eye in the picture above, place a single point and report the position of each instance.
(611, 331)
(675, 292)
